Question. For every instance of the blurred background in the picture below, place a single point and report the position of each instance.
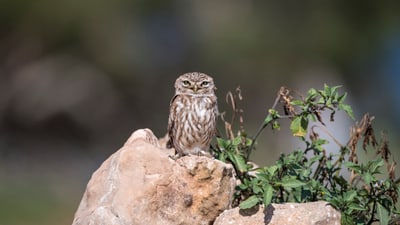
(77, 77)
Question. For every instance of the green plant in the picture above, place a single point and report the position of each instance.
(311, 174)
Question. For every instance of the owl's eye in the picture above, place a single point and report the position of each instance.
(205, 83)
(186, 83)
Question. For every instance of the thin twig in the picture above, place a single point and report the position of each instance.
(262, 127)
(326, 131)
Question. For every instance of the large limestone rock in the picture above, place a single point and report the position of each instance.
(313, 213)
(141, 184)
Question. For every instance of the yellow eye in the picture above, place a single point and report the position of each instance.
(186, 83)
(205, 83)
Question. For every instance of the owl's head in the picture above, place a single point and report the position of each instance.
(195, 84)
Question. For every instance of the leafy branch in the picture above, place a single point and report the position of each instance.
(311, 174)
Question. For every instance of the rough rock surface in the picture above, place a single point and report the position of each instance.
(313, 213)
(141, 184)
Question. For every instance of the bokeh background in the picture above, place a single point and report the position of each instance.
(77, 77)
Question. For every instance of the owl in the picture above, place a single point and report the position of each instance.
(192, 115)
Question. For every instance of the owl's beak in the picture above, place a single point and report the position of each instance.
(195, 88)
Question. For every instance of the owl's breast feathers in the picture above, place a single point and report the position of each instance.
(192, 122)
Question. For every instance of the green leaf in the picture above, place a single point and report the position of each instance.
(353, 166)
(312, 93)
(347, 109)
(272, 115)
(268, 119)
(276, 125)
(242, 186)
(342, 98)
(256, 188)
(237, 140)
(222, 157)
(291, 183)
(297, 102)
(329, 102)
(305, 172)
(296, 194)
(249, 142)
(368, 178)
(249, 202)
(315, 158)
(222, 143)
(336, 97)
(350, 195)
(333, 89)
(299, 126)
(354, 206)
(327, 90)
(376, 165)
(312, 117)
(272, 169)
(268, 192)
(383, 215)
(317, 144)
(238, 161)
(329, 164)
(321, 142)
(347, 219)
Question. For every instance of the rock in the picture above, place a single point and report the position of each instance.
(141, 184)
(313, 213)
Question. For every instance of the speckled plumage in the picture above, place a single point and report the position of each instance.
(192, 115)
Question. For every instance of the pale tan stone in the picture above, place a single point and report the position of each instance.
(313, 213)
(141, 184)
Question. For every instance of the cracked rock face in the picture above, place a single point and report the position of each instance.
(141, 184)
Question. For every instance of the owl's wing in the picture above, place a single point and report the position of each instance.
(171, 122)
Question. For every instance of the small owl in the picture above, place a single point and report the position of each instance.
(192, 115)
